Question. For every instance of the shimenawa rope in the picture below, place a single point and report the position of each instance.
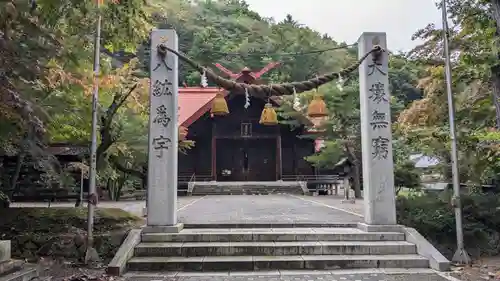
(272, 89)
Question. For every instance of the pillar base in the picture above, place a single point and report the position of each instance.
(164, 228)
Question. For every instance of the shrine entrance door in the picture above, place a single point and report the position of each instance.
(246, 159)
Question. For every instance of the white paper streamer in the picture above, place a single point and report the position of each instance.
(204, 82)
(247, 99)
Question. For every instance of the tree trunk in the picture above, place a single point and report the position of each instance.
(447, 172)
(356, 175)
(495, 70)
(15, 177)
(356, 180)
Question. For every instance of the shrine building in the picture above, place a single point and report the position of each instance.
(236, 147)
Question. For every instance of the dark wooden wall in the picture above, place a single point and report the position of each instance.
(262, 144)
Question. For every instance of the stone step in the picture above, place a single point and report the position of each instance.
(196, 249)
(321, 262)
(276, 234)
(7, 267)
(266, 226)
(24, 274)
(239, 189)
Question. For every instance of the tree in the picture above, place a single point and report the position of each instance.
(474, 62)
(405, 175)
(45, 54)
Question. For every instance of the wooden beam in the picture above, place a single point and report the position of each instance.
(279, 172)
(214, 154)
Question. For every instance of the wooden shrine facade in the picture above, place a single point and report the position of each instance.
(236, 147)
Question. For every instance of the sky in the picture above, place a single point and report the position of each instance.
(345, 20)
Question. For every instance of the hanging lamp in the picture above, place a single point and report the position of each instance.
(317, 107)
(219, 105)
(268, 116)
(182, 131)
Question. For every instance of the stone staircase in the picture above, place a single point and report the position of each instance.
(306, 247)
(249, 188)
(14, 270)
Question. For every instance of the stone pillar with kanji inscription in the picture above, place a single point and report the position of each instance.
(162, 153)
(376, 133)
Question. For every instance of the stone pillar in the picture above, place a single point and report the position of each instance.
(376, 134)
(163, 137)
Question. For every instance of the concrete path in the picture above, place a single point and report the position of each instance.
(262, 209)
(245, 209)
(134, 207)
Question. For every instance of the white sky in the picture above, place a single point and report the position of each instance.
(345, 20)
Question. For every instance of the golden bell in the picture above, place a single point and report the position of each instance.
(268, 116)
(219, 105)
(182, 131)
(317, 107)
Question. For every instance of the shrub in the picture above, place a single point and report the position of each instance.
(434, 217)
(61, 232)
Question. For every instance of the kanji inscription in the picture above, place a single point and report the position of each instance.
(378, 93)
(380, 148)
(379, 120)
(162, 88)
(162, 117)
(160, 144)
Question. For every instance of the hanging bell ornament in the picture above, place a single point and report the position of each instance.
(317, 107)
(183, 131)
(219, 105)
(268, 116)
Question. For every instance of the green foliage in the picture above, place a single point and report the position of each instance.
(330, 155)
(433, 216)
(406, 175)
(424, 125)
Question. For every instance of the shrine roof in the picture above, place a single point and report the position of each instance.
(194, 102)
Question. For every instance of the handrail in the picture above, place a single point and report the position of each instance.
(309, 177)
(193, 178)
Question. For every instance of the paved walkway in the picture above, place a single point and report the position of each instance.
(246, 209)
(134, 207)
(284, 208)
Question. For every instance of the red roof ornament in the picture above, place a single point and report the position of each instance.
(246, 75)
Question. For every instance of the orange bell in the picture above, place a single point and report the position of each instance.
(317, 107)
(219, 105)
(268, 116)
